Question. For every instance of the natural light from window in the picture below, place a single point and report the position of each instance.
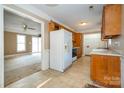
(21, 43)
(36, 44)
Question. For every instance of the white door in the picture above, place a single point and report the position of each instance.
(67, 49)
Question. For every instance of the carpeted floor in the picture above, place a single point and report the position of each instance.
(19, 67)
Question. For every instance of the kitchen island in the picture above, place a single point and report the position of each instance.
(105, 67)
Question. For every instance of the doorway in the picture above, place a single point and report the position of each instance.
(22, 47)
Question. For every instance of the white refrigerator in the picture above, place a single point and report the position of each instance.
(60, 49)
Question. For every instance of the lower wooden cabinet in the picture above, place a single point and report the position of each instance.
(79, 52)
(105, 70)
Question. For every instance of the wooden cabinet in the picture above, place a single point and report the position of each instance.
(111, 21)
(78, 42)
(79, 52)
(54, 26)
(77, 39)
(105, 70)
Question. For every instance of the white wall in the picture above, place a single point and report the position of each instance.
(1, 48)
(92, 40)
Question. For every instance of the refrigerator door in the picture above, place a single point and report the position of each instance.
(67, 49)
(57, 50)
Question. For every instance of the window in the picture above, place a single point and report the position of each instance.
(36, 44)
(21, 43)
(39, 44)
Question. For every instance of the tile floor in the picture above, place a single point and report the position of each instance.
(74, 77)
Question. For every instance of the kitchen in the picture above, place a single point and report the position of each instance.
(89, 56)
(105, 61)
(107, 70)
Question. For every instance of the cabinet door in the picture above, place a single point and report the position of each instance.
(114, 71)
(99, 69)
(102, 70)
(77, 42)
(93, 67)
(103, 26)
(51, 26)
(112, 20)
(105, 70)
(79, 52)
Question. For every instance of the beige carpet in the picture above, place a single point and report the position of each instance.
(19, 67)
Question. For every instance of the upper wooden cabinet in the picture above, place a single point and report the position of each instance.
(53, 26)
(77, 39)
(111, 21)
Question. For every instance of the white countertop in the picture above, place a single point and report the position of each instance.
(105, 52)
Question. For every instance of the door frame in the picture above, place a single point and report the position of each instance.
(1, 48)
(17, 11)
(84, 45)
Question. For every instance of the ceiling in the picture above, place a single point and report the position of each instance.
(15, 23)
(72, 14)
